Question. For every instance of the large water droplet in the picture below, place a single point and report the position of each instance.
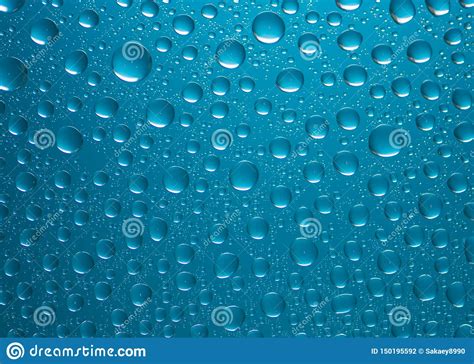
(355, 76)
(425, 287)
(140, 294)
(76, 62)
(230, 54)
(303, 252)
(43, 31)
(243, 176)
(175, 179)
(183, 24)
(69, 139)
(268, 27)
(438, 7)
(13, 74)
(290, 80)
(430, 205)
(158, 229)
(343, 303)
(350, 40)
(419, 51)
(380, 141)
(346, 163)
(131, 62)
(226, 265)
(402, 11)
(456, 294)
(10, 6)
(82, 262)
(389, 262)
(349, 5)
(160, 113)
(273, 304)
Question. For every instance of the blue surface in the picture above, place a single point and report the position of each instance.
(288, 350)
(265, 169)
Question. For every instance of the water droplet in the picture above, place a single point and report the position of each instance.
(425, 288)
(343, 303)
(462, 99)
(257, 228)
(140, 294)
(347, 118)
(419, 51)
(131, 62)
(350, 40)
(43, 31)
(13, 74)
(355, 76)
(183, 24)
(359, 215)
(456, 294)
(158, 229)
(304, 252)
(25, 181)
(268, 27)
(430, 205)
(438, 7)
(160, 113)
(313, 172)
(317, 127)
(280, 147)
(243, 176)
(88, 19)
(10, 6)
(106, 108)
(230, 54)
(349, 5)
(226, 265)
(69, 139)
(280, 197)
(273, 304)
(290, 80)
(389, 262)
(82, 262)
(382, 54)
(76, 62)
(175, 179)
(378, 185)
(346, 163)
(380, 141)
(402, 11)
